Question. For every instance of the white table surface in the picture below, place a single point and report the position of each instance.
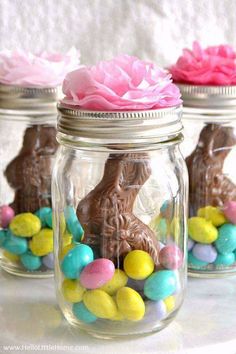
(31, 320)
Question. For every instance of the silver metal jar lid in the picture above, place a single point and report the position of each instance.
(218, 101)
(130, 126)
(17, 100)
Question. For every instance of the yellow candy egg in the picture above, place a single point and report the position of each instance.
(11, 256)
(100, 303)
(118, 280)
(72, 290)
(118, 317)
(138, 264)
(201, 230)
(66, 239)
(212, 214)
(170, 303)
(25, 225)
(130, 304)
(42, 243)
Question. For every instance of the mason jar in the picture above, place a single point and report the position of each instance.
(210, 151)
(120, 185)
(27, 147)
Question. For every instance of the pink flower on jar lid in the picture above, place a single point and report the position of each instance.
(211, 66)
(20, 68)
(123, 83)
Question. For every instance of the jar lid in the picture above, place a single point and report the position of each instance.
(17, 100)
(136, 126)
(209, 100)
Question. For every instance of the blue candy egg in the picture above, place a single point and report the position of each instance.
(75, 260)
(225, 259)
(155, 310)
(3, 235)
(195, 263)
(160, 285)
(48, 219)
(204, 253)
(42, 214)
(73, 224)
(30, 261)
(15, 245)
(226, 241)
(82, 313)
(48, 261)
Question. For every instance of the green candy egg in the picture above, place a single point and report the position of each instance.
(75, 260)
(30, 262)
(226, 241)
(42, 215)
(225, 259)
(82, 313)
(160, 285)
(15, 245)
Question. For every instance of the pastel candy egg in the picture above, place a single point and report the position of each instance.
(30, 262)
(42, 213)
(49, 221)
(65, 250)
(11, 256)
(160, 285)
(118, 281)
(15, 245)
(25, 225)
(66, 239)
(73, 224)
(156, 310)
(3, 234)
(195, 263)
(138, 264)
(75, 260)
(170, 303)
(48, 261)
(6, 215)
(201, 230)
(159, 226)
(97, 273)
(205, 253)
(212, 214)
(100, 303)
(171, 257)
(72, 290)
(191, 243)
(42, 243)
(82, 313)
(225, 259)
(226, 242)
(130, 304)
(229, 210)
(118, 317)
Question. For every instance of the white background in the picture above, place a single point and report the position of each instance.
(151, 29)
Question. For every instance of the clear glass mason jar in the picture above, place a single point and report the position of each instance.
(120, 182)
(27, 148)
(210, 150)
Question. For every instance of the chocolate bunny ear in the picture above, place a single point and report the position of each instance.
(208, 185)
(107, 211)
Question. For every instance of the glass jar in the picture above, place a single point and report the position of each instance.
(210, 151)
(120, 182)
(27, 147)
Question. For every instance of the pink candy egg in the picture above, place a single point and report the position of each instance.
(6, 215)
(229, 210)
(171, 257)
(97, 273)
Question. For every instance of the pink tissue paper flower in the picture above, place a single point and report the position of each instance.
(211, 66)
(20, 68)
(123, 83)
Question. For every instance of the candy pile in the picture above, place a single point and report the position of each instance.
(97, 290)
(27, 238)
(212, 238)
